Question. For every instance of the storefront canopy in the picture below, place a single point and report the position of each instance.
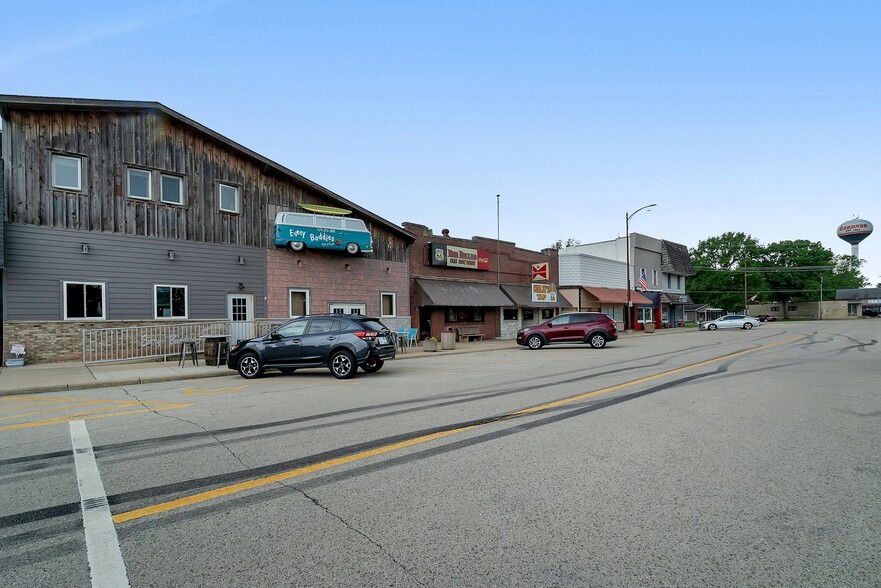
(449, 293)
(521, 296)
(616, 296)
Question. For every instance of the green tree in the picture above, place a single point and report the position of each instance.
(718, 263)
(560, 244)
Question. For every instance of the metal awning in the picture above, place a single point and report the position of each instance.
(521, 296)
(449, 293)
(675, 298)
(616, 296)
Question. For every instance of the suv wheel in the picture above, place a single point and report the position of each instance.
(534, 342)
(597, 341)
(371, 366)
(342, 365)
(250, 367)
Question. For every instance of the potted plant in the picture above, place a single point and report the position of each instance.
(429, 344)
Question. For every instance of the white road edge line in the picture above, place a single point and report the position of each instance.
(102, 546)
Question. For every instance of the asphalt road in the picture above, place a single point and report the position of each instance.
(727, 458)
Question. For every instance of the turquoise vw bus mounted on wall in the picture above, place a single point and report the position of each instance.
(299, 231)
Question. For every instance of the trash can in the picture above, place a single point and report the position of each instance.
(448, 340)
(649, 327)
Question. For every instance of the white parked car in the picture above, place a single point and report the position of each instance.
(731, 321)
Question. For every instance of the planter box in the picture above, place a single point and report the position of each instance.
(429, 346)
(14, 361)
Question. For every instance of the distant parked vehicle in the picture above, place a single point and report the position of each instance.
(731, 321)
(593, 328)
(766, 318)
(870, 312)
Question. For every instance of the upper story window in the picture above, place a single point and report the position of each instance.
(83, 300)
(654, 277)
(171, 190)
(229, 198)
(140, 184)
(669, 282)
(67, 172)
(679, 282)
(170, 301)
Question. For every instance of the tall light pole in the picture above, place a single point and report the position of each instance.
(628, 311)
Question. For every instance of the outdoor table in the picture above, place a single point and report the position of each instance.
(211, 344)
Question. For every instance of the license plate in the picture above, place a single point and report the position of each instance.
(382, 340)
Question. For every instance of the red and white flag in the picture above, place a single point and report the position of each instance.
(642, 283)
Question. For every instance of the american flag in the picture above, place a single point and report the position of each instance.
(642, 283)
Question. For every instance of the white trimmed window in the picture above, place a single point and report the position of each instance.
(171, 189)
(387, 303)
(654, 277)
(298, 302)
(644, 314)
(229, 198)
(83, 300)
(67, 172)
(169, 302)
(140, 184)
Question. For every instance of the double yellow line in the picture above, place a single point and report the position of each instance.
(324, 465)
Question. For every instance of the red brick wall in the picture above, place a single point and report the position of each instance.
(508, 264)
(328, 281)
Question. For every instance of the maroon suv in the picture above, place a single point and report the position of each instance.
(593, 328)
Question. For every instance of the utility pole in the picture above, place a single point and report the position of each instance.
(744, 286)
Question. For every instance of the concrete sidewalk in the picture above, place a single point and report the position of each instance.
(55, 377)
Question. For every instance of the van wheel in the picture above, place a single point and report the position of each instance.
(297, 245)
(353, 248)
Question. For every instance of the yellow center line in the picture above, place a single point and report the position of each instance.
(95, 414)
(266, 480)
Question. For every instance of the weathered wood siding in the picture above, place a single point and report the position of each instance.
(111, 141)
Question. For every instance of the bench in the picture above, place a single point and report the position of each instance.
(470, 333)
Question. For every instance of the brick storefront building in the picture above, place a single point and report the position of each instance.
(478, 283)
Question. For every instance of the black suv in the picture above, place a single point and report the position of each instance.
(593, 328)
(340, 342)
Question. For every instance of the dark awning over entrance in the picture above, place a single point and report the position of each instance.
(521, 296)
(447, 293)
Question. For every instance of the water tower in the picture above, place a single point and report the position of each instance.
(854, 231)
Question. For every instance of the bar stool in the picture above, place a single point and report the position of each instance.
(188, 345)
(222, 347)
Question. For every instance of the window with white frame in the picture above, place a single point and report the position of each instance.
(644, 314)
(298, 304)
(67, 172)
(679, 283)
(387, 300)
(669, 282)
(83, 300)
(654, 277)
(170, 301)
(140, 184)
(229, 198)
(171, 189)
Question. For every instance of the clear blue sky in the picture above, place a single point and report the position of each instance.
(762, 117)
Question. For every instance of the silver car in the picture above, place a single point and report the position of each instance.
(731, 321)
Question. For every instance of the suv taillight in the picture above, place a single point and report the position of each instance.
(367, 335)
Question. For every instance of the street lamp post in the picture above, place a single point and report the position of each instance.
(628, 312)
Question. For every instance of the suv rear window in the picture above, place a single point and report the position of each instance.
(374, 325)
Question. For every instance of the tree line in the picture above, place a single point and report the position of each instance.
(732, 264)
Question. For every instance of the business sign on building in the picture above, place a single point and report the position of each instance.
(462, 257)
(544, 293)
(540, 271)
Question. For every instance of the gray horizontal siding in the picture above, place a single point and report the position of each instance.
(38, 259)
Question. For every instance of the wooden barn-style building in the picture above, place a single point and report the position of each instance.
(123, 215)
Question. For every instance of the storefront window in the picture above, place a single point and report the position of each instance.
(510, 314)
(527, 314)
(464, 315)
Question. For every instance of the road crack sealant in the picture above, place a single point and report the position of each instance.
(195, 424)
(354, 529)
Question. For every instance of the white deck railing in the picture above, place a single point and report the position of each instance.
(153, 341)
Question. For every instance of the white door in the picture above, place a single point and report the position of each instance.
(240, 312)
(344, 308)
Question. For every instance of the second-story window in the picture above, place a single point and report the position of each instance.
(654, 277)
(67, 172)
(140, 184)
(229, 198)
(171, 190)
